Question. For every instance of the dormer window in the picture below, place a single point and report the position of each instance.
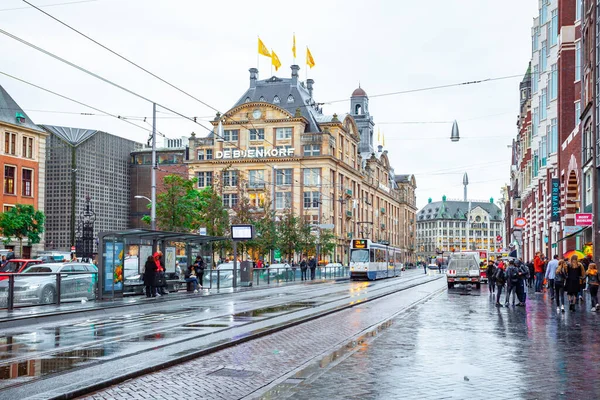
(261, 98)
(247, 100)
(20, 118)
(290, 99)
(276, 100)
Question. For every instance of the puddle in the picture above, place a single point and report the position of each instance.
(274, 310)
(201, 325)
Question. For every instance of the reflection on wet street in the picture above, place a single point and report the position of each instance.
(456, 346)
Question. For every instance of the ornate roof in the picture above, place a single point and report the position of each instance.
(359, 92)
(456, 210)
(73, 136)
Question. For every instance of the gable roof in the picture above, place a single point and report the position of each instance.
(73, 136)
(9, 110)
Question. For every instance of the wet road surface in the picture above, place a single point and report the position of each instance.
(249, 368)
(463, 347)
(134, 341)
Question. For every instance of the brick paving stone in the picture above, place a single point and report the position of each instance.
(531, 353)
(270, 357)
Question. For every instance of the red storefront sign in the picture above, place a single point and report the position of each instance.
(584, 219)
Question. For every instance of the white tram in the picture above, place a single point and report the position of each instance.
(371, 261)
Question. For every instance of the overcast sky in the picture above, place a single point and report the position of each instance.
(206, 48)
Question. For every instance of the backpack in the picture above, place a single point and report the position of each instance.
(499, 276)
(513, 275)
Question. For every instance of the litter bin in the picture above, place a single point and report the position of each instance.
(246, 273)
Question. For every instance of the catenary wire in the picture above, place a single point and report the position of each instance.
(50, 5)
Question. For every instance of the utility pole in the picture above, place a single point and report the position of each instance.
(153, 172)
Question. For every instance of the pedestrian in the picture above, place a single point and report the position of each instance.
(586, 261)
(190, 276)
(531, 274)
(560, 279)
(538, 267)
(313, 268)
(439, 265)
(512, 281)
(303, 269)
(523, 276)
(160, 274)
(4, 261)
(199, 269)
(491, 270)
(575, 275)
(425, 268)
(593, 280)
(550, 274)
(150, 277)
(499, 278)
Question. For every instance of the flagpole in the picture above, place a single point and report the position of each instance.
(257, 58)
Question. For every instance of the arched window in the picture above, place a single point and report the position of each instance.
(358, 109)
(276, 99)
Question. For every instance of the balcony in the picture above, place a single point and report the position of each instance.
(348, 192)
(383, 210)
(349, 235)
(311, 138)
(256, 186)
(383, 226)
(348, 214)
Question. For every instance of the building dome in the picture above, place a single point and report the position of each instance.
(359, 92)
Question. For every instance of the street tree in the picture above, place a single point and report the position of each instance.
(176, 207)
(213, 215)
(326, 242)
(306, 239)
(288, 236)
(22, 221)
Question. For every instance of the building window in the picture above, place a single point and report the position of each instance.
(544, 12)
(283, 149)
(543, 148)
(543, 104)
(283, 200)
(256, 178)
(534, 39)
(200, 155)
(290, 99)
(27, 178)
(553, 82)
(553, 137)
(9, 179)
(230, 178)
(578, 10)
(258, 151)
(10, 143)
(283, 176)
(231, 135)
(577, 112)
(312, 149)
(283, 133)
(535, 79)
(577, 61)
(312, 176)
(553, 28)
(536, 121)
(543, 56)
(27, 147)
(588, 188)
(205, 179)
(230, 200)
(257, 134)
(276, 100)
(311, 199)
(7, 208)
(208, 153)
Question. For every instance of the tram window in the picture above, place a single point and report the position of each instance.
(372, 253)
(380, 255)
(360, 255)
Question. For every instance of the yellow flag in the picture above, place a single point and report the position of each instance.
(262, 49)
(310, 61)
(294, 46)
(378, 136)
(275, 60)
(383, 140)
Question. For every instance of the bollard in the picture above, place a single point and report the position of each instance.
(11, 292)
(218, 279)
(58, 282)
(210, 277)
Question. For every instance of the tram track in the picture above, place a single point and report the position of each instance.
(302, 313)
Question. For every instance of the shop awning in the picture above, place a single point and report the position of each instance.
(148, 234)
(579, 232)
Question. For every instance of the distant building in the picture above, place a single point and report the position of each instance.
(170, 161)
(457, 225)
(22, 159)
(82, 162)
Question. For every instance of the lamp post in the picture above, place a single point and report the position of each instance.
(152, 214)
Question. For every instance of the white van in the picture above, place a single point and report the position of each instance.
(463, 268)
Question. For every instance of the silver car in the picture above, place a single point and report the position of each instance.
(43, 290)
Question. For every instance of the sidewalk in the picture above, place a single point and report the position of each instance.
(22, 316)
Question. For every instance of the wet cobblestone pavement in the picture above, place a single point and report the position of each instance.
(463, 347)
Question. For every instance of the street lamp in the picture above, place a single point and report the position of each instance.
(454, 136)
(153, 213)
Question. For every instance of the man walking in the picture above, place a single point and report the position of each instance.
(550, 275)
(512, 281)
(303, 268)
(491, 270)
(538, 267)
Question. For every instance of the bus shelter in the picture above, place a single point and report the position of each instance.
(122, 253)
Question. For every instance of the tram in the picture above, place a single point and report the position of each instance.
(372, 261)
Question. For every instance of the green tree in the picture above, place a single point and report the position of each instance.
(265, 234)
(176, 207)
(22, 221)
(306, 240)
(327, 242)
(288, 235)
(213, 216)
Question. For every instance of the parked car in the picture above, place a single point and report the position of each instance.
(54, 256)
(43, 290)
(16, 266)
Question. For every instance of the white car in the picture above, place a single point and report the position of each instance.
(334, 265)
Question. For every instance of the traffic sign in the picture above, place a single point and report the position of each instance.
(326, 226)
(499, 239)
(520, 222)
(72, 248)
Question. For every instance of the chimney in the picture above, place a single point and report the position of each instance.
(295, 70)
(380, 148)
(309, 86)
(253, 77)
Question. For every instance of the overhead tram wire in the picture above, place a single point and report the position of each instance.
(50, 5)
